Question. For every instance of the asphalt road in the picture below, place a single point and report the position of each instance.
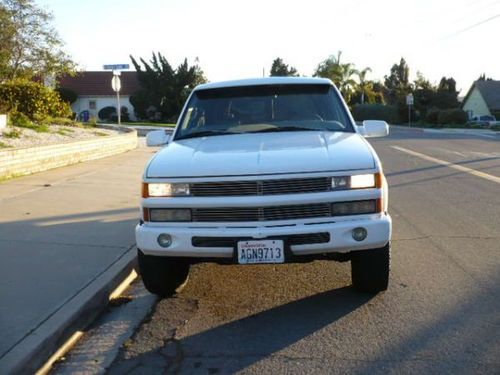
(441, 313)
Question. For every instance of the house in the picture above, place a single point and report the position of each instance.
(483, 98)
(94, 91)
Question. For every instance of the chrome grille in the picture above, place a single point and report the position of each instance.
(264, 187)
(231, 214)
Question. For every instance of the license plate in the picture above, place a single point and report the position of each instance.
(261, 251)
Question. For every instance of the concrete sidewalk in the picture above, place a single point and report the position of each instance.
(66, 238)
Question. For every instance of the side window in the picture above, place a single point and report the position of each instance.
(92, 104)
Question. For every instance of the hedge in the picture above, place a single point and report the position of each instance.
(33, 100)
(383, 112)
(452, 116)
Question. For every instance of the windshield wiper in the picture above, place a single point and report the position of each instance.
(286, 129)
(204, 133)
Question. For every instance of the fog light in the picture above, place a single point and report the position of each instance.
(164, 240)
(359, 234)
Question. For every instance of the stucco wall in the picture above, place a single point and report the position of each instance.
(22, 161)
(476, 104)
(82, 104)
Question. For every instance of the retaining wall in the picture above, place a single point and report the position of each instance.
(27, 160)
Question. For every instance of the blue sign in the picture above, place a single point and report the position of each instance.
(116, 67)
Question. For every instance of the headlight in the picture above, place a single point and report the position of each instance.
(165, 190)
(169, 214)
(355, 208)
(360, 181)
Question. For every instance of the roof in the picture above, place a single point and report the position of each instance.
(490, 91)
(265, 81)
(99, 83)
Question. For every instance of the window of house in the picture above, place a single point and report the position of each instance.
(92, 104)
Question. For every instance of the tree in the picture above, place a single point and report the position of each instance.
(446, 96)
(397, 83)
(341, 74)
(164, 89)
(483, 77)
(30, 46)
(280, 69)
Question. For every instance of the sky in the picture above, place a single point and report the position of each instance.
(238, 39)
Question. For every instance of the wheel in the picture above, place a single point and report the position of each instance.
(370, 269)
(162, 275)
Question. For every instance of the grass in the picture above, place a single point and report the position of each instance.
(64, 131)
(4, 145)
(100, 134)
(13, 133)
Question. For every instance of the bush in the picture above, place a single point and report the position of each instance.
(67, 95)
(452, 116)
(432, 116)
(106, 113)
(20, 120)
(387, 113)
(33, 100)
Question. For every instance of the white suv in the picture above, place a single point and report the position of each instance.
(270, 170)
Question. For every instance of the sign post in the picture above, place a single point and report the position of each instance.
(116, 84)
(409, 103)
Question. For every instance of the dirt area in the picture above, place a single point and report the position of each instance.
(15, 137)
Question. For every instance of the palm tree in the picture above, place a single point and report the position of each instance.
(364, 85)
(341, 74)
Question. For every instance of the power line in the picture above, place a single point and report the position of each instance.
(472, 26)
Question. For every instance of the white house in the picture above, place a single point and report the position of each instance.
(483, 98)
(95, 93)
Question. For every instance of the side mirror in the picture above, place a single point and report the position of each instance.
(157, 138)
(374, 128)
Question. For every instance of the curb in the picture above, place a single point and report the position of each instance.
(448, 130)
(141, 130)
(30, 354)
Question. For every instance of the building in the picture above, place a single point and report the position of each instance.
(95, 93)
(483, 98)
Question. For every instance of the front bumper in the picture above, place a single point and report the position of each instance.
(379, 228)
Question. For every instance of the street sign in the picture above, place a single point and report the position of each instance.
(409, 99)
(116, 83)
(116, 66)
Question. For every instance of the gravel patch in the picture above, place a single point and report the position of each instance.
(56, 134)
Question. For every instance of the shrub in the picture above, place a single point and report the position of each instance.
(432, 116)
(106, 113)
(13, 133)
(387, 113)
(67, 95)
(32, 99)
(452, 116)
(20, 119)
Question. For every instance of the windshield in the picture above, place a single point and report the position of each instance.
(266, 108)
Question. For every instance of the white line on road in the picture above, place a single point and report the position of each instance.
(461, 168)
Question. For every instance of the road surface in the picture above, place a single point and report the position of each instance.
(440, 315)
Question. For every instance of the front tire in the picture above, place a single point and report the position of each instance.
(370, 269)
(162, 275)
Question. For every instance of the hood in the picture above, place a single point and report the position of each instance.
(262, 153)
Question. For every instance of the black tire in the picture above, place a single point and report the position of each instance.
(370, 269)
(162, 275)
